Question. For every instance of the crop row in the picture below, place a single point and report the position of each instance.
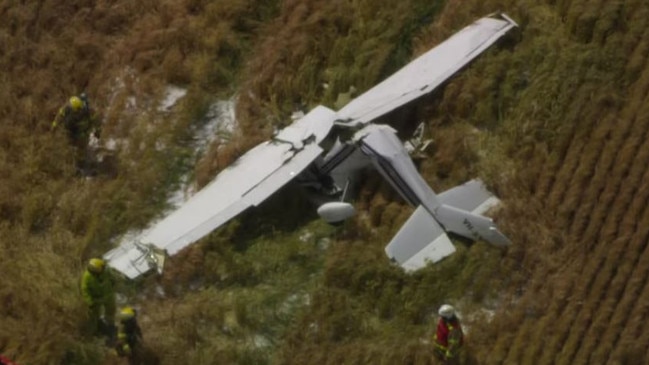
(594, 183)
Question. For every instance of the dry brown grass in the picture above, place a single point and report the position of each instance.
(52, 220)
(555, 120)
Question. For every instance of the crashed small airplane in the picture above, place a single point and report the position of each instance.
(324, 149)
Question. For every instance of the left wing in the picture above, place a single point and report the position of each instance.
(247, 182)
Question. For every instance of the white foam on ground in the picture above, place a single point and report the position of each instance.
(172, 95)
(219, 125)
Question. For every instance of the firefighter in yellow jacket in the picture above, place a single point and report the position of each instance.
(129, 336)
(78, 120)
(98, 293)
(80, 123)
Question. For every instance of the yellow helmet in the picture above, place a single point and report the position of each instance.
(127, 349)
(127, 313)
(75, 103)
(96, 265)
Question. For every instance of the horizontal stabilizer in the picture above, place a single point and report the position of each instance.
(471, 196)
(420, 240)
(470, 225)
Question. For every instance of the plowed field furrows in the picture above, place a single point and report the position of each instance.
(608, 213)
(588, 299)
(551, 171)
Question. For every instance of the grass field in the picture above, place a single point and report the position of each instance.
(554, 119)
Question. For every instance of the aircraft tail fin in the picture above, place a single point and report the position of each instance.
(461, 211)
(471, 196)
(420, 239)
(470, 225)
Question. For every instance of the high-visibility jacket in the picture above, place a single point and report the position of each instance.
(449, 336)
(77, 123)
(97, 288)
(5, 361)
(129, 335)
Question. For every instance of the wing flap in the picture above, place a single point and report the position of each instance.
(253, 197)
(419, 241)
(283, 175)
(249, 181)
(220, 198)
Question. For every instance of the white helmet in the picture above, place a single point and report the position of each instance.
(446, 311)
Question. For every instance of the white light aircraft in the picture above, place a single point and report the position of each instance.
(300, 151)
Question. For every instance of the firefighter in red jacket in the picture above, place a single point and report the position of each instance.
(6, 361)
(449, 337)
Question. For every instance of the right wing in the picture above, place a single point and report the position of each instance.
(427, 72)
(247, 182)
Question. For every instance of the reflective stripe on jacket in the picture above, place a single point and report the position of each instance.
(449, 335)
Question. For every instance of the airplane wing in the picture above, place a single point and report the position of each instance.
(247, 182)
(427, 72)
